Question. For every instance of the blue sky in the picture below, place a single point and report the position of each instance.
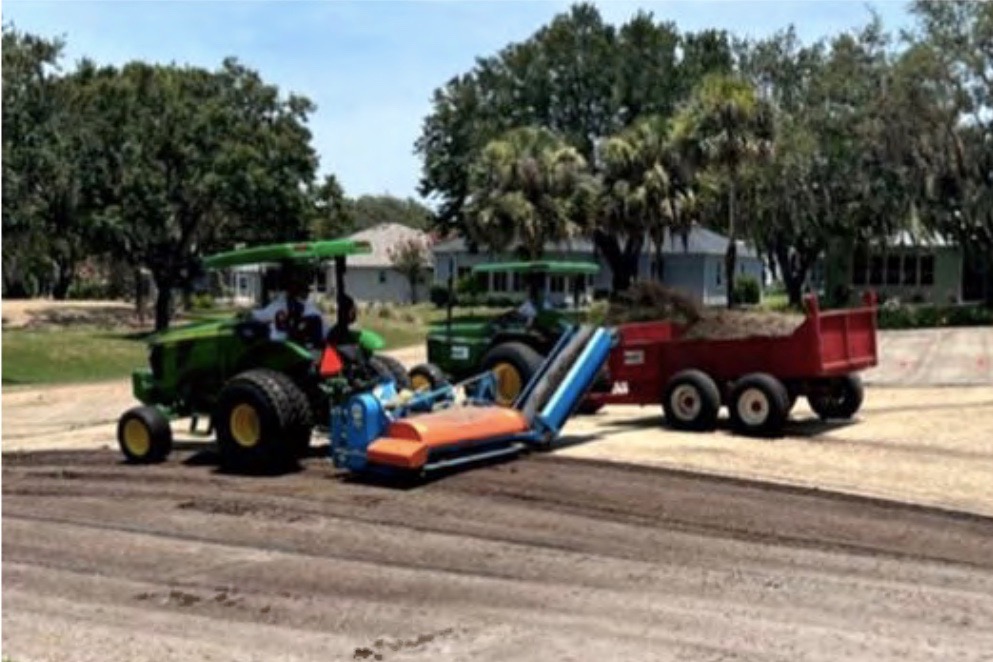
(371, 66)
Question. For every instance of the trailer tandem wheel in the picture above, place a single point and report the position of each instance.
(759, 405)
(691, 401)
(841, 398)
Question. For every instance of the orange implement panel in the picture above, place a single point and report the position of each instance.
(459, 424)
(402, 453)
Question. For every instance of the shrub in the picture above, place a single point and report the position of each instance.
(746, 290)
(894, 315)
(439, 295)
(202, 301)
(89, 289)
(497, 301)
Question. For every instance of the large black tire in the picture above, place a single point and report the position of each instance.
(691, 401)
(759, 405)
(263, 421)
(144, 435)
(515, 364)
(427, 376)
(841, 398)
(392, 367)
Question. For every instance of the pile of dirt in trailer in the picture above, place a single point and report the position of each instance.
(651, 302)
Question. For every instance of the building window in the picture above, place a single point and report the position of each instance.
(927, 270)
(382, 276)
(557, 284)
(515, 282)
(876, 270)
(893, 263)
(499, 282)
(910, 270)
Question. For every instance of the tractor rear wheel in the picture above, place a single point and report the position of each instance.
(263, 421)
(691, 401)
(427, 377)
(388, 366)
(840, 399)
(759, 405)
(514, 364)
(144, 435)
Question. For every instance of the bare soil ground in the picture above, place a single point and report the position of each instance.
(543, 558)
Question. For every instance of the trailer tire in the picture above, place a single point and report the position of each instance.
(515, 364)
(144, 435)
(263, 422)
(841, 399)
(427, 376)
(691, 401)
(387, 366)
(759, 405)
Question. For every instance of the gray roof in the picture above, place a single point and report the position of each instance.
(699, 241)
(382, 238)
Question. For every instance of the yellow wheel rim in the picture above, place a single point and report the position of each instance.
(509, 383)
(245, 426)
(420, 382)
(137, 438)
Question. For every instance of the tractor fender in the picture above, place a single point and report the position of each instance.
(532, 340)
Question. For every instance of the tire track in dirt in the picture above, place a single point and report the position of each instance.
(541, 558)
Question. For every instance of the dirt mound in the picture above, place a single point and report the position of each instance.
(646, 302)
(46, 313)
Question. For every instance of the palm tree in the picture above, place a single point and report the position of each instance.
(727, 127)
(523, 187)
(646, 185)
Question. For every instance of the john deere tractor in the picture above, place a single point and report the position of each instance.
(511, 345)
(262, 396)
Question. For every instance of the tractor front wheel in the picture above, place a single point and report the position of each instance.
(144, 435)
(263, 421)
(513, 364)
(427, 377)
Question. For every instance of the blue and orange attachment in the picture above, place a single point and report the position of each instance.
(373, 434)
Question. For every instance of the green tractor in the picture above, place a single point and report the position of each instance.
(512, 345)
(263, 385)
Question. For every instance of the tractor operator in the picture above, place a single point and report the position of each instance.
(291, 315)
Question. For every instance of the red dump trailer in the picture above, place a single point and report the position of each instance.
(757, 378)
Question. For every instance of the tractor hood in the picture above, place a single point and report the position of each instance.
(193, 331)
(460, 329)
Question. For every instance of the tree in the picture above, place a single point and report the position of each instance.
(731, 128)
(579, 77)
(411, 258)
(522, 189)
(203, 159)
(333, 213)
(368, 210)
(645, 188)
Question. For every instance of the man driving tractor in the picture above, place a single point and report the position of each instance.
(291, 314)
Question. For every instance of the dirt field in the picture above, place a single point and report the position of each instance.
(548, 557)
(543, 558)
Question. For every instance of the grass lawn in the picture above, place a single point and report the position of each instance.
(80, 354)
(87, 353)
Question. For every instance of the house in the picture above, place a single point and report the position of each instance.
(696, 266)
(371, 276)
(914, 267)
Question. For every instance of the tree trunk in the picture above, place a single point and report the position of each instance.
(139, 297)
(63, 281)
(163, 301)
(731, 257)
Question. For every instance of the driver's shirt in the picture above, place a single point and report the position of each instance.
(277, 311)
(528, 311)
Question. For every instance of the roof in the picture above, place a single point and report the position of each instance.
(545, 267)
(699, 241)
(383, 237)
(299, 250)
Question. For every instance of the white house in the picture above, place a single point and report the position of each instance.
(371, 277)
(695, 267)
